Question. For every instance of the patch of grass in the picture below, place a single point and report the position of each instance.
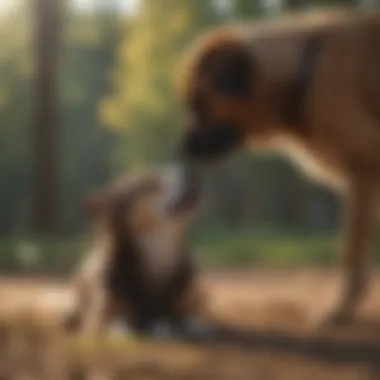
(242, 247)
(216, 246)
(34, 254)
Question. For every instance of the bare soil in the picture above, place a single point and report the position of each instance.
(271, 330)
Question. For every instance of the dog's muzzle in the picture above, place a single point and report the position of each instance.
(211, 142)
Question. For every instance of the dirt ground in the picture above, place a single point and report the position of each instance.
(271, 330)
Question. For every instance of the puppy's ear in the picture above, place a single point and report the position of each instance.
(229, 69)
(95, 203)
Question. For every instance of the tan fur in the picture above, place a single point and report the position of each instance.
(338, 140)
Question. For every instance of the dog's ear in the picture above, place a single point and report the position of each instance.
(229, 70)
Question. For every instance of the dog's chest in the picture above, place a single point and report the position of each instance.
(162, 248)
(142, 272)
(315, 163)
(162, 253)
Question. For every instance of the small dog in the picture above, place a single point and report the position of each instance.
(138, 268)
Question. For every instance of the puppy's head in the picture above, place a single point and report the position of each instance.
(217, 87)
(134, 209)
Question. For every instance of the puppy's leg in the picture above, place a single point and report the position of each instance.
(73, 319)
(188, 309)
(192, 301)
(98, 314)
(360, 222)
(179, 291)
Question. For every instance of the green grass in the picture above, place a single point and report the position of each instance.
(220, 247)
(46, 254)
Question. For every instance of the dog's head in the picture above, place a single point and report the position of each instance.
(133, 212)
(217, 88)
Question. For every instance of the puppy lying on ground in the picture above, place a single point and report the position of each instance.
(138, 268)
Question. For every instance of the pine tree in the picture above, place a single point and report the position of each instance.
(143, 107)
(46, 116)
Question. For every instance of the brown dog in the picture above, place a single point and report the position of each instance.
(309, 85)
(138, 268)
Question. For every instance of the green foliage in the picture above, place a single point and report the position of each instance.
(87, 146)
(15, 75)
(247, 8)
(143, 107)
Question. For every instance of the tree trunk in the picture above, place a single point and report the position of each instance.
(46, 126)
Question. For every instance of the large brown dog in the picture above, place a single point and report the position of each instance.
(138, 268)
(309, 85)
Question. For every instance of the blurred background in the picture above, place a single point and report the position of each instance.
(86, 92)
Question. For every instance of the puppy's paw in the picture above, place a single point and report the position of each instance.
(163, 330)
(121, 330)
(197, 327)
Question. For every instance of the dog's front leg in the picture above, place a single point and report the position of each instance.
(361, 210)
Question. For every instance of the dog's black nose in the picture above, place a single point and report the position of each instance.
(211, 142)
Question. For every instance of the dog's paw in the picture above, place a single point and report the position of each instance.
(163, 330)
(199, 328)
(120, 330)
(337, 319)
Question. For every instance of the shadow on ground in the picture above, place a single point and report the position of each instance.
(264, 329)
